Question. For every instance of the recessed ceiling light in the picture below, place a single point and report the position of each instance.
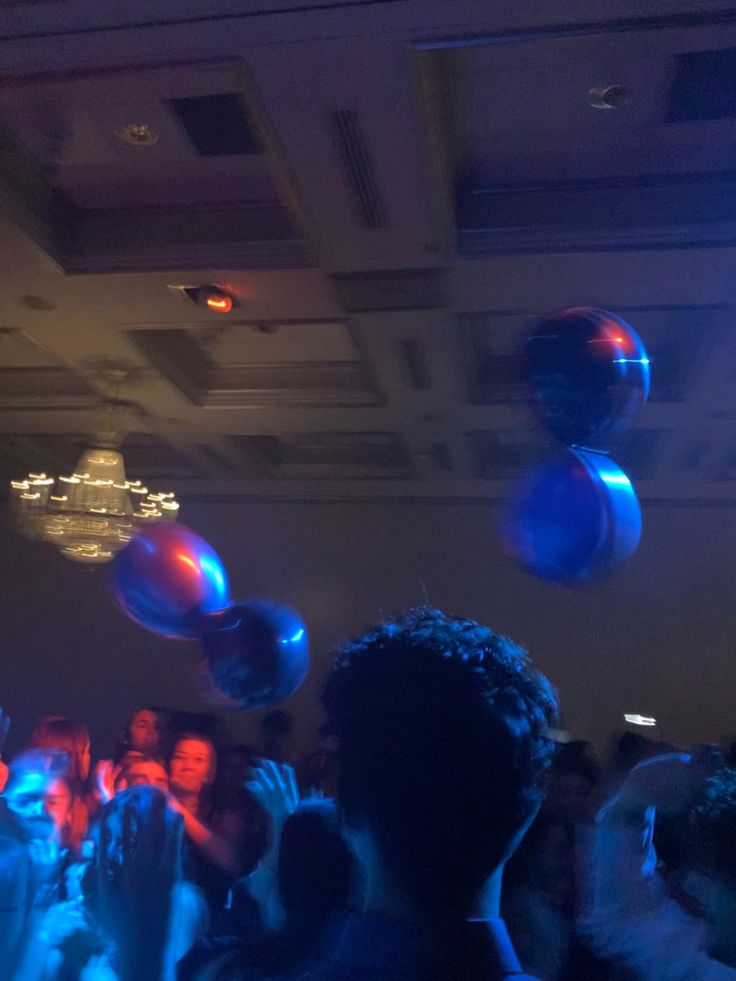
(609, 96)
(137, 134)
(214, 299)
(219, 302)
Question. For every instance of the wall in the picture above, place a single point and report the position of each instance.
(659, 638)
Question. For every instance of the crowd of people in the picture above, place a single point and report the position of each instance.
(443, 827)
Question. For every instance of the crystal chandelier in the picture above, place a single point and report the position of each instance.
(90, 514)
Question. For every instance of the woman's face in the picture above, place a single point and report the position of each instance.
(191, 766)
(144, 731)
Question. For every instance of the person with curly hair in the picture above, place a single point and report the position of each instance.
(443, 731)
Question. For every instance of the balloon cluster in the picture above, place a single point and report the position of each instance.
(577, 517)
(173, 583)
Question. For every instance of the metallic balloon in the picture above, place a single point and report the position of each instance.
(257, 653)
(589, 375)
(573, 520)
(170, 580)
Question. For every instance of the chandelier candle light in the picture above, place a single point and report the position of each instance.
(92, 514)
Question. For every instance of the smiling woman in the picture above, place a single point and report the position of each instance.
(192, 769)
(215, 839)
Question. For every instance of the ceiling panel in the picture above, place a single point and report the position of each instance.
(276, 343)
(389, 246)
(524, 110)
(18, 350)
(76, 129)
(400, 289)
(118, 167)
(245, 364)
(532, 161)
(332, 456)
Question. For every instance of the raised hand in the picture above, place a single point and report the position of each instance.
(274, 787)
(61, 920)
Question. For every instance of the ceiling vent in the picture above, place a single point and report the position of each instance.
(217, 125)
(358, 168)
(704, 86)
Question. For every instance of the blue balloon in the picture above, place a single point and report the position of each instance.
(257, 653)
(170, 580)
(589, 376)
(572, 520)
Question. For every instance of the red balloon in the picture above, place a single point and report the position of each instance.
(170, 580)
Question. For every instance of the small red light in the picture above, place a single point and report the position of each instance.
(219, 302)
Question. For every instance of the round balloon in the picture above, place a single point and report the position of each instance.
(257, 653)
(589, 375)
(170, 580)
(573, 520)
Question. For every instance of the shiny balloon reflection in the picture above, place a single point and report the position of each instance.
(257, 653)
(572, 520)
(589, 375)
(170, 581)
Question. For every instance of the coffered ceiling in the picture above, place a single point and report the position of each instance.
(394, 193)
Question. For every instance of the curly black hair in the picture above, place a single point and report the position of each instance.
(443, 749)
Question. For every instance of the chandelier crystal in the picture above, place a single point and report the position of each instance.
(91, 514)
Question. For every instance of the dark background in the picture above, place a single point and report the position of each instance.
(659, 638)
